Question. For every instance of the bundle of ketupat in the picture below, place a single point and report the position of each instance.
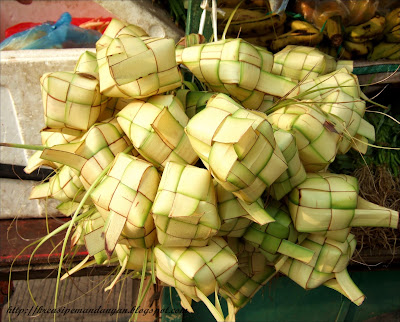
(177, 226)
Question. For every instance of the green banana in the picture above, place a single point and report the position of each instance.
(358, 49)
(302, 25)
(302, 33)
(372, 29)
(334, 30)
(250, 22)
(385, 50)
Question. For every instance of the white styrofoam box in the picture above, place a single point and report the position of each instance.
(15, 203)
(21, 101)
(146, 14)
(22, 119)
(9, 130)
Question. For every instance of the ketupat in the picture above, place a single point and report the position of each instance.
(65, 186)
(71, 100)
(278, 237)
(347, 114)
(316, 142)
(93, 152)
(301, 62)
(328, 202)
(236, 215)
(253, 272)
(124, 198)
(237, 68)
(328, 266)
(156, 128)
(51, 137)
(185, 207)
(238, 147)
(295, 173)
(123, 73)
(196, 272)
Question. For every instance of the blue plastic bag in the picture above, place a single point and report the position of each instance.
(52, 35)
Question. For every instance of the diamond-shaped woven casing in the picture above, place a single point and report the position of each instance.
(113, 107)
(193, 101)
(156, 129)
(295, 173)
(324, 202)
(236, 215)
(347, 114)
(138, 67)
(65, 186)
(253, 272)
(51, 137)
(90, 224)
(114, 29)
(301, 62)
(278, 237)
(328, 204)
(319, 87)
(135, 256)
(188, 41)
(238, 146)
(99, 147)
(196, 268)
(117, 28)
(330, 257)
(234, 218)
(185, 208)
(124, 198)
(85, 226)
(95, 151)
(231, 66)
(87, 63)
(316, 142)
(71, 100)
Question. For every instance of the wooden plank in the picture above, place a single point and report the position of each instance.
(15, 235)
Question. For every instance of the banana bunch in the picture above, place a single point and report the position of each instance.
(301, 33)
(375, 39)
(359, 39)
(390, 48)
(256, 26)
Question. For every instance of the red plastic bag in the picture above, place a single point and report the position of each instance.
(99, 24)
